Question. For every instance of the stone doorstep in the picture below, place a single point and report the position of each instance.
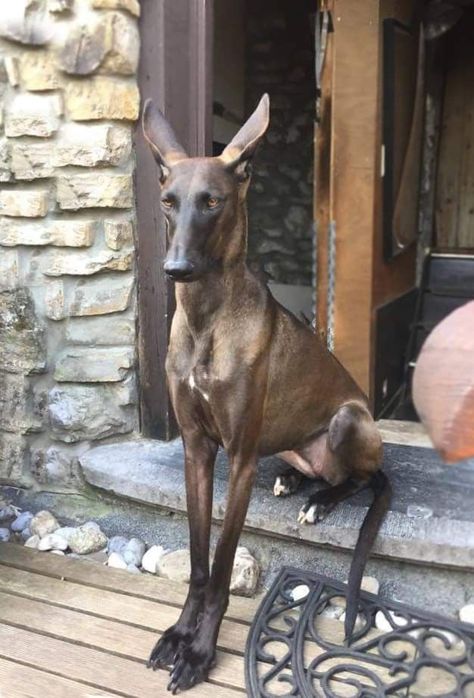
(431, 520)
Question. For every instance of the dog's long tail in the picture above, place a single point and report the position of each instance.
(382, 493)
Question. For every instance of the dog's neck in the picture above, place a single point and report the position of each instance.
(221, 287)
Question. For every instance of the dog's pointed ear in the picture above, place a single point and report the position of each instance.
(161, 139)
(242, 147)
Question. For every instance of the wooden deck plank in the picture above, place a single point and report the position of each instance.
(106, 604)
(92, 574)
(24, 682)
(103, 634)
(99, 670)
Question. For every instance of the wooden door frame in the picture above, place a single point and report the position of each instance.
(176, 72)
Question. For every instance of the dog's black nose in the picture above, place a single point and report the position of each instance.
(179, 269)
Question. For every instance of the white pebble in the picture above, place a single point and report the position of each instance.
(466, 614)
(152, 557)
(33, 542)
(334, 612)
(43, 523)
(53, 542)
(57, 552)
(115, 560)
(133, 569)
(300, 592)
(382, 622)
(370, 584)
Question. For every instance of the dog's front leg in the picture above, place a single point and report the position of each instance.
(200, 453)
(195, 659)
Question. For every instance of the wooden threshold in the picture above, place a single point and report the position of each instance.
(404, 433)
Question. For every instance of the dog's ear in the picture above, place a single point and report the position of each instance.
(239, 152)
(161, 139)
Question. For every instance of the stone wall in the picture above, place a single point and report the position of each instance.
(280, 60)
(68, 100)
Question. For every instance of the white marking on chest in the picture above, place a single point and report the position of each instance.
(193, 386)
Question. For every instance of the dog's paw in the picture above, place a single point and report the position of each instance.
(191, 667)
(311, 513)
(286, 484)
(168, 647)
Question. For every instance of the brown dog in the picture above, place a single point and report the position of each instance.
(245, 374)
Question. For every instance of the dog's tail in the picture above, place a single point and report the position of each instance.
(382, 493)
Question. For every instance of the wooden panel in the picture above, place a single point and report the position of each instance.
(25, 682)
(99, 670)
(101, 633)
(455, 185)
(354, 130)
(176, 71)
(322, 182)
(106, 604)
(143, 586)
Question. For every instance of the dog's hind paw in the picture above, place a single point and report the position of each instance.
(313, 513)
(286, 484)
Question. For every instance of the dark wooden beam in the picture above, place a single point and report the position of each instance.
(176, 72)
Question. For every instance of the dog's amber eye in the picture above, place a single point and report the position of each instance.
(212, 202)
(167, 202)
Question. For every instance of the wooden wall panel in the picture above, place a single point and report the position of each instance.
(354, 108)
(455, 186)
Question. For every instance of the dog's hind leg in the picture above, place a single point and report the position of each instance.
(321, 503)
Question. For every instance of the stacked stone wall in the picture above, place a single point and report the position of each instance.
(68, 103)
(280, 60)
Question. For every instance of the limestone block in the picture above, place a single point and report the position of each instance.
(59, 233)
(32, 160)
(54, 301)
(84, 264)
(11, 68)
(33, 115)
(26, 203)
(80, 412)
(13, 458)
(9, 270)
(88, 145)
(21, 335)
(101, 296)
(61, 6)
(53, 466)
(38, 71)
(118, 233)
(93, 365)
(131, 6)
(113, 330)
(122, 41)
(23, 21)
(15, 399)
(5, 174)
(102, 98)
(84, 49)
(95, 189)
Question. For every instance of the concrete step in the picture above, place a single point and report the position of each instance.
(431, 520)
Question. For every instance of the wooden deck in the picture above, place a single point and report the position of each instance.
(75, 629)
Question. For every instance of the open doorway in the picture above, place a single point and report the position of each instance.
(445, 225)
(268, 46)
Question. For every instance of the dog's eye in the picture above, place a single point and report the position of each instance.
(212, 202)
(167, 202)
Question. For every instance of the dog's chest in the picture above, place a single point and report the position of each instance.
(199, 381)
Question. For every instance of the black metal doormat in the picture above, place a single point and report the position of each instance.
(296, 646)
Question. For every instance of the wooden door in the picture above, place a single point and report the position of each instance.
(176, 72)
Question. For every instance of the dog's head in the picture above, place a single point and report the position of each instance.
(200, 197)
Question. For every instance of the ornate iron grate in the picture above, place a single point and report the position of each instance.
(296, 646)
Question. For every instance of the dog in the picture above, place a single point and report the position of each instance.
(246, 375)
